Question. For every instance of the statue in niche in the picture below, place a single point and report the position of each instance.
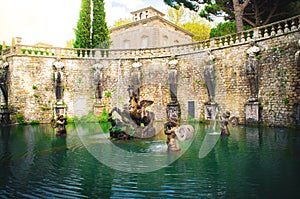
(251, 65)
(98, 82)
(58, 87)
(209, 76)
(3, 78)
(58, 67)
(173, 79)
(224, 120)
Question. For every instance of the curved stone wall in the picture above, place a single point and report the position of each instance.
(253, 71)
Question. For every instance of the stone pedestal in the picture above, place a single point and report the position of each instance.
(252, 112)
(60, 110)
(210, 111)
(98, 109)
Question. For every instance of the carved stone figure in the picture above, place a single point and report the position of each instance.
(224, 120)
(58, 67)
(98, 81)
(134, 120)
(59, 124)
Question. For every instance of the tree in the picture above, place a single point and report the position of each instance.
(191, 22)
(222, 29)
(201, 31)
(92, 31)
(176, 15)
(121, 22)
(100, 33)
(253, 12)
(214, 6)
(83, 31)
(70, 43)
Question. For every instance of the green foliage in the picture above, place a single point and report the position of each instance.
(89, 118)
(34, 87)
(107, 94)
(104, 116)
(121, 22)
(20, 118)
(83, 30)
(72, 119)
(201, 31)
(46, 108)
(35, 122)
(286, 101)
(92, 34)
(36, 95)
(100, 32)
(222, 29)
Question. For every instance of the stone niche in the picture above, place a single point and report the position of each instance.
(252, 112)
(210, 111)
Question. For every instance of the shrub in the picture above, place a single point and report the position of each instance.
(35, 122)
(104, 116)
(20, 119)
(46, 108)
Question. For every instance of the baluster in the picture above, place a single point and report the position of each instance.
(266, 34)
(225, 41)
(243, 36)
(286, 28)
(273, 33)
(294, 27)
(280, 31)
(259, 35)
(232, 40)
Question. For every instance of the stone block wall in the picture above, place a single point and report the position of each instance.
(32, 94)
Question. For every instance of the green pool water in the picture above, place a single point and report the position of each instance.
(250, 163)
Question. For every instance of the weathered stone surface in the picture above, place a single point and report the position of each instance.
(31, 86)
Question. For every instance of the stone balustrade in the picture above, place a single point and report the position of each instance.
(264, 32)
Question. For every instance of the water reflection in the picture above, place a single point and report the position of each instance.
(250, 163)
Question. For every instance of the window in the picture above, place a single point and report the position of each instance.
(126, 44)
(144, 41)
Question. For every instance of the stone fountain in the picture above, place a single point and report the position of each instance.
(133, 120)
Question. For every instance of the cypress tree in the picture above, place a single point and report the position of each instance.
(100, 32)
(83, 31)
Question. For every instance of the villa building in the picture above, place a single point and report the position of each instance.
(148, 29)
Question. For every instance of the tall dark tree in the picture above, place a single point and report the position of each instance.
(83, 30)
(100, 32)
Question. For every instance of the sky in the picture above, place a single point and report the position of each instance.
(53, 21)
